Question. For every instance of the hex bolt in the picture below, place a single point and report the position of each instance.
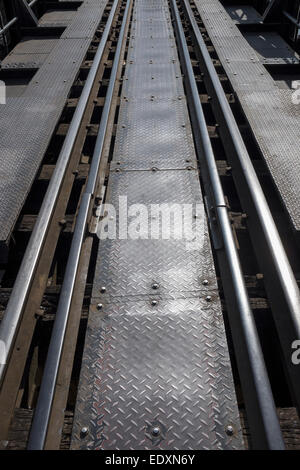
(103, 289)
(99, 307)
(155, 286)
(84, 431)
(156, 431)
(229, 430)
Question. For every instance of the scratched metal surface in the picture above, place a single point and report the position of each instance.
(155, 353)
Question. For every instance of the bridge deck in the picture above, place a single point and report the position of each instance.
(155, 353)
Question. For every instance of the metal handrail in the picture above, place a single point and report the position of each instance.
(262, 416)
(43, 409)
(16, 305)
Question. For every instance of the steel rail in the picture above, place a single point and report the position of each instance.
(43, 409)
(19, 296)
(281, 286)
(261, 411)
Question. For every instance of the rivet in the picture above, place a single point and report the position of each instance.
(156, 431)
(205, 282)
(62, 222)
(154, 302)
(84, 431)
(229, 431)
(208, 298)
(99, 306)
(155, 286)
(103, 289)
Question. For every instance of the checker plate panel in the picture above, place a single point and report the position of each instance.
(163, 363)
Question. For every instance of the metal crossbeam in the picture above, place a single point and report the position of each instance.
(25, 13)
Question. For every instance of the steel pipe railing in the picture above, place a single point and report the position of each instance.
(261, 411)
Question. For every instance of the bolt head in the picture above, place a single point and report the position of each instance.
(155, 286)
(154, 302)
(208, 298)
(103, 289)
(229, 430)
(205, 282)
(156, 431)
(99, 307)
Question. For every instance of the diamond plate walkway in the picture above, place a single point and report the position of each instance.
(271, 112)
(28, 121)
(156, 372)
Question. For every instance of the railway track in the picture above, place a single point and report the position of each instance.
(47, 282)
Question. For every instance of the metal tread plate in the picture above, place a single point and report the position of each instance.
(20, 149)
(154, 132)
(57, 18)
(155, 51)
(143, 262)
(29, 53)
(155, 351)
(139, 81)
(28, 121)
(274, 120)
(269, 109)
(164, 366)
